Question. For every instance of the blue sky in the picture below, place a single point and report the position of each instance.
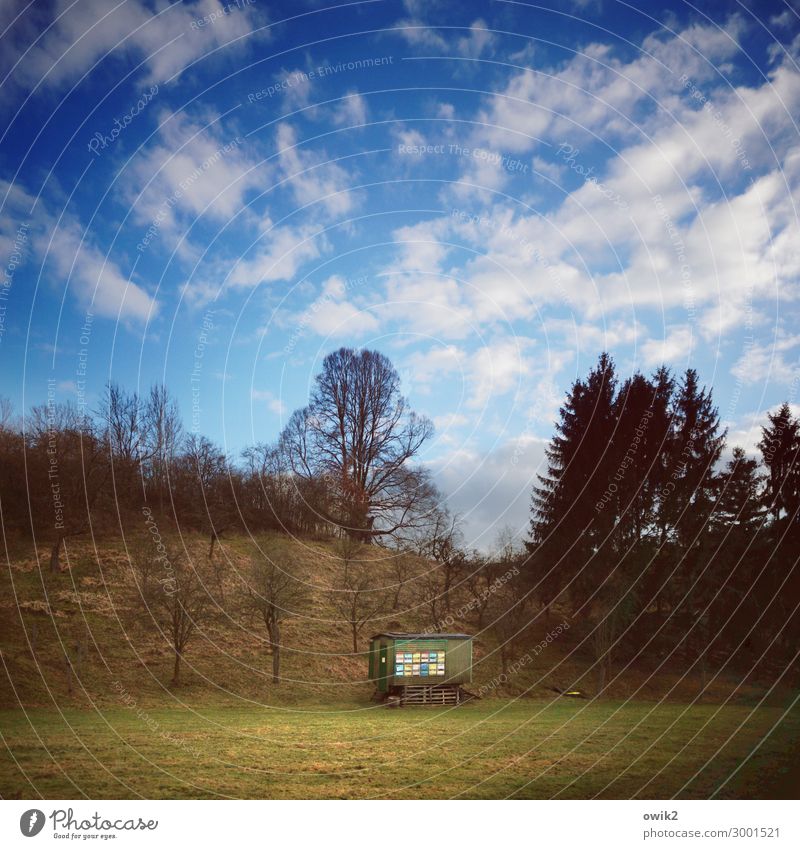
(216, 195)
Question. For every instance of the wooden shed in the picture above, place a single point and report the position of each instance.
(421, 668)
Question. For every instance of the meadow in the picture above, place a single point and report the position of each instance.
(525, 748)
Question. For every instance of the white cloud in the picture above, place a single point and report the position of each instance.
(351, 110)
(491, 489)
(596, 91)
(492, 370)
(420, 246)
(196, 167)
(591, 338)
(278, 254)
(15, 222)
(651, 229)
(550, 169)
(342, 319)
(497, 369)
(311, 177)
(478, 42)
(417, 33)
(728, 315)
(273, 404)
(675, 348)
(55, 44)
(335, 314)
(297, 93)
(423, 368)
(776, 363)
(427, 304)
(95, 279)
(448, 421)
(70, 255)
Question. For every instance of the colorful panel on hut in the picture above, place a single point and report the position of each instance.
(414, 662)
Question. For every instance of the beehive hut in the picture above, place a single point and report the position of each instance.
(421, 668)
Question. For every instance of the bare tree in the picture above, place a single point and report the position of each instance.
(358, 435)
(273, 593)
(6, 412)
(206, 478)
(67, 474)
(430, 591)
(507, 547)
(510, 615)
(123, 415)
(163, 433)
(175, 592)
(355, 599)
(274, 497)
(439, 540)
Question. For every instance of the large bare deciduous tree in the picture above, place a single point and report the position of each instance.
(359, 436)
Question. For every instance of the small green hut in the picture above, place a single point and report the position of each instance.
(421, 668)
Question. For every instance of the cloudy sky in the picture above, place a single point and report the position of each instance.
(216, 195)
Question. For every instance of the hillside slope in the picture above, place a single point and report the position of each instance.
(90, 614)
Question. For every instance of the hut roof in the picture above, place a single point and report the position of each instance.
(398, 635)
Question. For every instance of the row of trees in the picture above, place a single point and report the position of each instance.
(638, 525)
(343, 466)
(66, 472)
(181, 594)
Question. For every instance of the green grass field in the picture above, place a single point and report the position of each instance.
(492, 749)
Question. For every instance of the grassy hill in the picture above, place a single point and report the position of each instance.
(90, 613)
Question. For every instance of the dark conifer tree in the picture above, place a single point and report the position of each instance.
(726, 592)
(642, 418)
(567, 530)
(779, 446)
(778, 590)
(739, 503)
(688, 499)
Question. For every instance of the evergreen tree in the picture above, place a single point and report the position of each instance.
(567, 529)
(739, 505)
(779, 445)
(642, 429)
(642, 419)
(694, 447)
(778, 589)
(635, 523)
(725, 591)
(688, 498)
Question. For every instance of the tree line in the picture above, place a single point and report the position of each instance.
(641, 528)
(344, 465)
